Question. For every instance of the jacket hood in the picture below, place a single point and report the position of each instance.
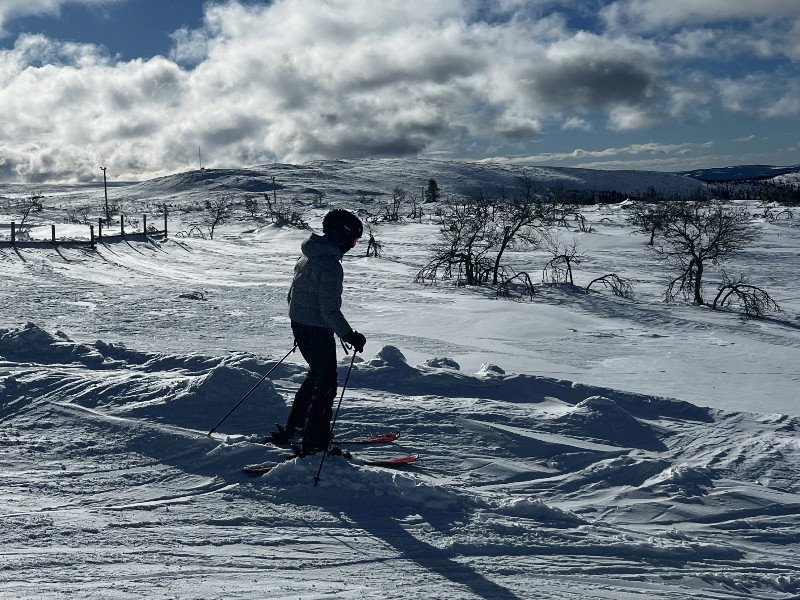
(317, 246)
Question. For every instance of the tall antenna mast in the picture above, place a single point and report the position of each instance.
(200, 158)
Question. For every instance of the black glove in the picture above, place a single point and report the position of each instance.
(356, 340)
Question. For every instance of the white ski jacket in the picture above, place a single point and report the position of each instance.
(315, 296)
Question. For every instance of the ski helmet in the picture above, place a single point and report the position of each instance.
(342, 227)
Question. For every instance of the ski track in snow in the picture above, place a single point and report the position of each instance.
(567, 473)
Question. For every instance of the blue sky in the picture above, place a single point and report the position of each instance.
(139, 85)
(132, 29)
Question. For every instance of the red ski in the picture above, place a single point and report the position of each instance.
(381, 438)
(388, 461)
(378, 461)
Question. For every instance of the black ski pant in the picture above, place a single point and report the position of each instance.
(313, 403)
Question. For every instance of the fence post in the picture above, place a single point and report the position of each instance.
(13, 232)
(122, 224)
(165, 219)
(100, 229)
(91, 236)
(144, 224)
(53, 234)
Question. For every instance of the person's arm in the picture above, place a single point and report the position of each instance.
(330, 298)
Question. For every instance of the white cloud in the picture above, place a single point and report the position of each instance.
(663, 151)
(300, 79)
(764, 95)
(626, 118)
(669, 163)
(335, 79)
(788, 105)
(576, 123)
(189, 46)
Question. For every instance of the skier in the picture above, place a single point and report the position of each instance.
(315, 300)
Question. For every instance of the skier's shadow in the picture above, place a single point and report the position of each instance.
(387, 528)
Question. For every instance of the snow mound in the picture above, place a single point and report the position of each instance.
(154, 362)
(613, 472)
(389, 371)
(13, 400)
(490, 370)
(536, 509)
(389, 356)
(343, 481)
(683, 480)
(209, 397)
(442, 363)
(31, 343)
(603, 419)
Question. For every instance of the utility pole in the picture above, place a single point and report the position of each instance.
(105, 190)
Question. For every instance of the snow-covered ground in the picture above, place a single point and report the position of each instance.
(573, 446)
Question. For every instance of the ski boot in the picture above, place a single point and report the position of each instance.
(281, 436)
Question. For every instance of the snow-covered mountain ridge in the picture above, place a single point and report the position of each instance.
(341, 179)
(740, 173)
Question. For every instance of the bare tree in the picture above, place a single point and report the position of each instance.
(619, 287)
(80, 213)
(556, 205)
(395, 204)
(319, 198)
(565, 256)
(416, 208)
(515, 221)
(754, 301)
(697, 233)
(270, 200)
(251, 205)
(32, 204)
(650, 213)
(283, 215)
(468, 236)
(509, 279)
(217, 211)
(582, 224)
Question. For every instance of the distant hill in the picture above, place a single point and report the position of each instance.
(739, 173)
(377, 177)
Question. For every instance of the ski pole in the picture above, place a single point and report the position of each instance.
(213, 429)
(333, 423)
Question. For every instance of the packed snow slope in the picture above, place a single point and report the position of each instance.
(572, 446)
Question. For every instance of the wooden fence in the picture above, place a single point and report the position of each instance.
(104, 235)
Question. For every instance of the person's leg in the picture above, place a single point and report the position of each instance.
(320, 353)
(306, 338)
(302, 398)
(302, 402)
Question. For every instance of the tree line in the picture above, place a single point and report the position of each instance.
(688, 233)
